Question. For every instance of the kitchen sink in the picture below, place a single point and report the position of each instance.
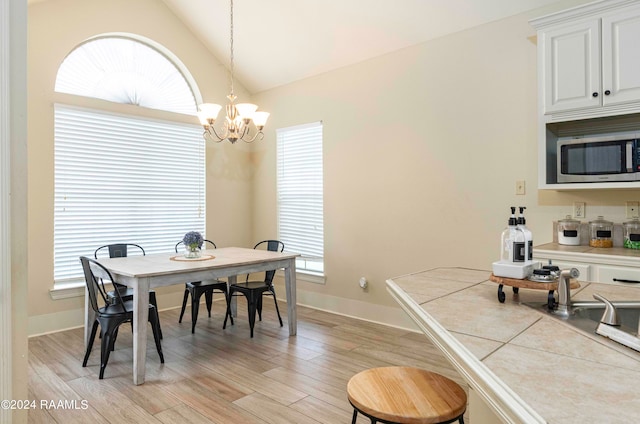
(586, 316)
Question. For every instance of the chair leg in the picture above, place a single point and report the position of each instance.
(154, 302)
(355, 416)
(259, 306)
(184, 304)
(115, 337)
(155, 327)
(195, 306)
(105, 350)
(273, 292)
(90, 343)
(208, 296)
(252, 306)
(228, 295)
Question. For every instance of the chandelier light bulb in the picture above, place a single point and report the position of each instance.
(260, 119)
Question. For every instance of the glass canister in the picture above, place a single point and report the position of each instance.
(601, 232)
(569, 231)
(632, 234)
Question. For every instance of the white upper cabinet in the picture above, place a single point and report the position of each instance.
(571, 66)
(621, 56)
(590, 61)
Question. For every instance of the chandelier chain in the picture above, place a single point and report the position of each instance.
(231, 55)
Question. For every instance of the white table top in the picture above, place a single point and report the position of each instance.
(161, 263)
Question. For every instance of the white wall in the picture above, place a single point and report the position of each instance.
(422, 149)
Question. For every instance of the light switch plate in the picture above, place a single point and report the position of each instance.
(579, 210)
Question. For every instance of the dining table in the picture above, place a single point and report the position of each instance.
(143, 273)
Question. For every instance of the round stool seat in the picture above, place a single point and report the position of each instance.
(406, 395)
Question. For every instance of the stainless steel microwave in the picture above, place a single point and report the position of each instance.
(599, 159)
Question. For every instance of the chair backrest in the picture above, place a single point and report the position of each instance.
(95, 285)
(273, 246)
(205, 245)
(117, 250)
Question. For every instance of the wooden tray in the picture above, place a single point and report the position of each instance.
(528, 284)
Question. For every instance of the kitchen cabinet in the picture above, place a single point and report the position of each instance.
(570, 57)
(588, 80)
(595, 264)
(583, 268)
(591, 63)
(606, 274)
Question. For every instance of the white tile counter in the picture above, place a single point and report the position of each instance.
(526, 366)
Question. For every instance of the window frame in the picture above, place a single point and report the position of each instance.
(75, 286)
(314, 193)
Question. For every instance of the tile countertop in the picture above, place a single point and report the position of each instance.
(526, 366)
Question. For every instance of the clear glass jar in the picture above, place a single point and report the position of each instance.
(632, 234)
(601, 233)
(569, 231)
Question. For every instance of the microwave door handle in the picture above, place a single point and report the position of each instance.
(629, 156)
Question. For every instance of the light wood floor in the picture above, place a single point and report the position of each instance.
(223, 376)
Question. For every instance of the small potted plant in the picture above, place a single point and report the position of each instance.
(192, 244)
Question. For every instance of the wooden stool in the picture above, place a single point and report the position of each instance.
(406, 395)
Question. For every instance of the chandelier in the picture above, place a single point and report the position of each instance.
(237, 124)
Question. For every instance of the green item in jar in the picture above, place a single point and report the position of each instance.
(631, 244)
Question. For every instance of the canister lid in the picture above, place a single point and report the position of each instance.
(632, 224)
(569, 220)
(600, 222)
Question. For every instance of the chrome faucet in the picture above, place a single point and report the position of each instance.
(564, 291)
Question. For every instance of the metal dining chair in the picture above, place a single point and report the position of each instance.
(255, 290)
(110, 315)
(120, 250)
(197, 288)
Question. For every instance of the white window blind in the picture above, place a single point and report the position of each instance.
(123, 179)
(300, 194)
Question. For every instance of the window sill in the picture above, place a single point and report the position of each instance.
(67, 290)
(311, 277)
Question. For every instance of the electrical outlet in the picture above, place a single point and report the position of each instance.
(579, 210)
(520, 187)
(632, 209)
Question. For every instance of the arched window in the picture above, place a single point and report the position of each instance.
(124, 178)
(125, 70)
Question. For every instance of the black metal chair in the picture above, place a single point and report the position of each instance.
(111, 314)
(119, 250)
(197, 288)
(255, 290)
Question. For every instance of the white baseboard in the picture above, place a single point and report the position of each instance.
(385, 315)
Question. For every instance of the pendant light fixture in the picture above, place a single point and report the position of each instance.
(239, 119)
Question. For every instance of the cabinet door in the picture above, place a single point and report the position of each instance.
(621, 56)
(571, 66)
(585, 269)
(607, 274)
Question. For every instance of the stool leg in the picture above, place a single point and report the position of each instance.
(355, 415)
(461, 420)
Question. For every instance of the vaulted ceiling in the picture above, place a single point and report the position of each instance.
(280, 41)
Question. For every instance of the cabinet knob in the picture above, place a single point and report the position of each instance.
(607, 92)
(595, 94)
